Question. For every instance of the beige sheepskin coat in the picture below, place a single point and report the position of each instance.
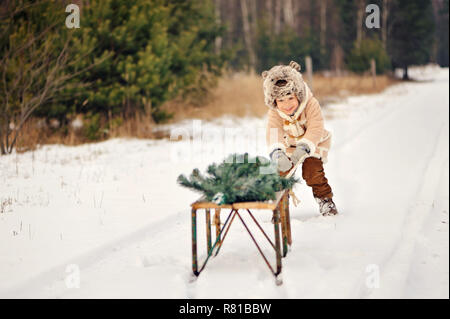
(306, 125)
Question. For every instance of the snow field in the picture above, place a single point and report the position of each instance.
(110, 219)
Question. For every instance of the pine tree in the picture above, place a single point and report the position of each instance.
(348, 16)
(239, 178)
(159, 49)
(411, 37)
(442, 35)
(369, 48)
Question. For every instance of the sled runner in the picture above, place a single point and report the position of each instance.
(280, 210)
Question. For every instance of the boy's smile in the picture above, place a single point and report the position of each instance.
(288, 105)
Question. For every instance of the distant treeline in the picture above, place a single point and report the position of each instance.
(132, 56)
(334, 32)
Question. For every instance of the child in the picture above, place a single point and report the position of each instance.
(295, 132)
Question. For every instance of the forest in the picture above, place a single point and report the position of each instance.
(126, 59)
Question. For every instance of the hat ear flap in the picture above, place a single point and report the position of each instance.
(295, 66)
(264, 74)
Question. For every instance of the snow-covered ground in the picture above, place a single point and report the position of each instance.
(108, 219)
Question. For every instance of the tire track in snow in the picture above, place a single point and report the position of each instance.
(394, 269)
(370, 122)
(88, 259)
(365, 126)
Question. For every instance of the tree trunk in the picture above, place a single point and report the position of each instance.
(2, 139)
(230, 18)
(254, 16)
(405, 73)
(310, 23)
(309, 71)
(384, 28)
(359, 22)
(297, 20)
(269, 12)
(288, 12)
(277, 22)
(323, 26)
(337, 60)
(218, 40)
(247, 34)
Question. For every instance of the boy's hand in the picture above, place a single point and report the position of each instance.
(282, 160)
(301, 152)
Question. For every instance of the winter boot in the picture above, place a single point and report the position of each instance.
(327, 206)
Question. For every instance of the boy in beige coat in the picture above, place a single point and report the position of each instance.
(295, 130)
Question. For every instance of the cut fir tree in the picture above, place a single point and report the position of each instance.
(239, 178)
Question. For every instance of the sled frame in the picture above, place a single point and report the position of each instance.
(280, 217)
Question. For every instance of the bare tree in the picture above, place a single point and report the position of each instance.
(384, 26)
(288, 13)
(359, 21)
(277, 18)
(32, 74)
(231, 20)
(323, 25)
(254, 16)
(247, 34)
(269, 12)
(218, 40)
(337, 59)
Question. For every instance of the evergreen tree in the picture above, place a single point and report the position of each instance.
(443, 36)
(285, 47)
(370, 48)
(347, 25)
(239, 178)
(159, 49)
(411, 37)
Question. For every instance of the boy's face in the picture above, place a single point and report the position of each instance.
(288, 104)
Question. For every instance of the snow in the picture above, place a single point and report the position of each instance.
(107, 220)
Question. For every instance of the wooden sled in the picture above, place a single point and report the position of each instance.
(281, 217)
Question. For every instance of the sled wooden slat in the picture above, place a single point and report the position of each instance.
(260, 205)
(202, 204)
(271, 205)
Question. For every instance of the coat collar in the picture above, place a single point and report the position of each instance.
(308, 95)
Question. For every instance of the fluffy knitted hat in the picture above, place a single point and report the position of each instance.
(282, 80)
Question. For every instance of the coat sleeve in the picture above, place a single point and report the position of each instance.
(275, 132)
(314, 125)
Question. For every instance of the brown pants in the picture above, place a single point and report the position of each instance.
(314, 175)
